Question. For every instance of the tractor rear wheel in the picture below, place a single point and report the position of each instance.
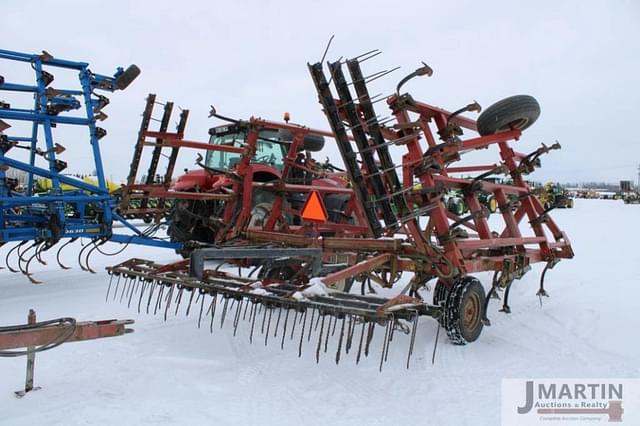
(464, 310)
(515, 112)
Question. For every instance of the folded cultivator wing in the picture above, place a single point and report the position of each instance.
(374, 220)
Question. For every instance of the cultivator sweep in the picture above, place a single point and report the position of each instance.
(393, 218)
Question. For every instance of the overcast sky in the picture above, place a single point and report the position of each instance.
(580, 59)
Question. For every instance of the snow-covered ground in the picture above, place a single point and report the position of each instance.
(174, 373)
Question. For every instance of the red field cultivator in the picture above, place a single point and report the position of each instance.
(311, 230)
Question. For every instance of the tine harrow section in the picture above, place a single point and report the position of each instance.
(293, 312)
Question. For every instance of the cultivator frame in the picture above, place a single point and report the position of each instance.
(37, 222)
(389, 236)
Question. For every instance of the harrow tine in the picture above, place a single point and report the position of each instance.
(153, 289)
(326, 339)
(284, 330)
(213, 309)
(109, 288)
(72, 240)
(314, 327)
(224, 311)
(134, 288)
(275, 333)
(390, 338)
(266, 335)
(385, 343)
(304, 323)
(364, 323)
(6, 259)
(201, 308)
(116, 289)
(344, 319)
(295, 321)
(125, 287)
(369, 337)
(179, 300)
(236, 319)
(158, 300)
(254, 311)
(168, 301)
(413, 338)
(319, 340)
(193, 292)
(351, 330)
(244, 315)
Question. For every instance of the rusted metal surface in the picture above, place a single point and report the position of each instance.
(86, 330)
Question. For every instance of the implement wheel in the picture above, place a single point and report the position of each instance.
(515, 112)
(464, 311)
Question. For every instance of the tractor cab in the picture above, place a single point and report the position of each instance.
(270, 149)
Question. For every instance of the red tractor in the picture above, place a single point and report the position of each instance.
(240, 181)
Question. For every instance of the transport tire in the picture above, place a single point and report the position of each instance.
(464, 311)
(440, 292)
(515, 112)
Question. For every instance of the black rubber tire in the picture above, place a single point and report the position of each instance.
(440, 293)
(515, 112)
(464, 311)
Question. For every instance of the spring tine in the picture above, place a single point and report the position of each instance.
(224, 311)
(39, 254)
(253, 320)
(264, 319)
(6, 258)
(413, 338)
(201, 309)
(320, 339)
(295, 321)
(159, 299)
(125, 287)
(350, 330)
(168, 302)
(193, 292)
(275, 333)
(211, 309)
(369, 337)
(390, 338)
(244, 315)
(109, 288)
(326, 339)
(364, 323)
(153, 290)
(33, 280)
(60, 251)
(385, 342)
(236, 320)
(133, 288)
(284, 330)
(311, 327)
(178, 301)
(115, 292)
(144, 288)
(435, 344)
(344, 320)
(304, 323)
(266, 335)
(334, 327)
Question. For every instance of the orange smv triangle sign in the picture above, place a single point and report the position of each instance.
(313, 210)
